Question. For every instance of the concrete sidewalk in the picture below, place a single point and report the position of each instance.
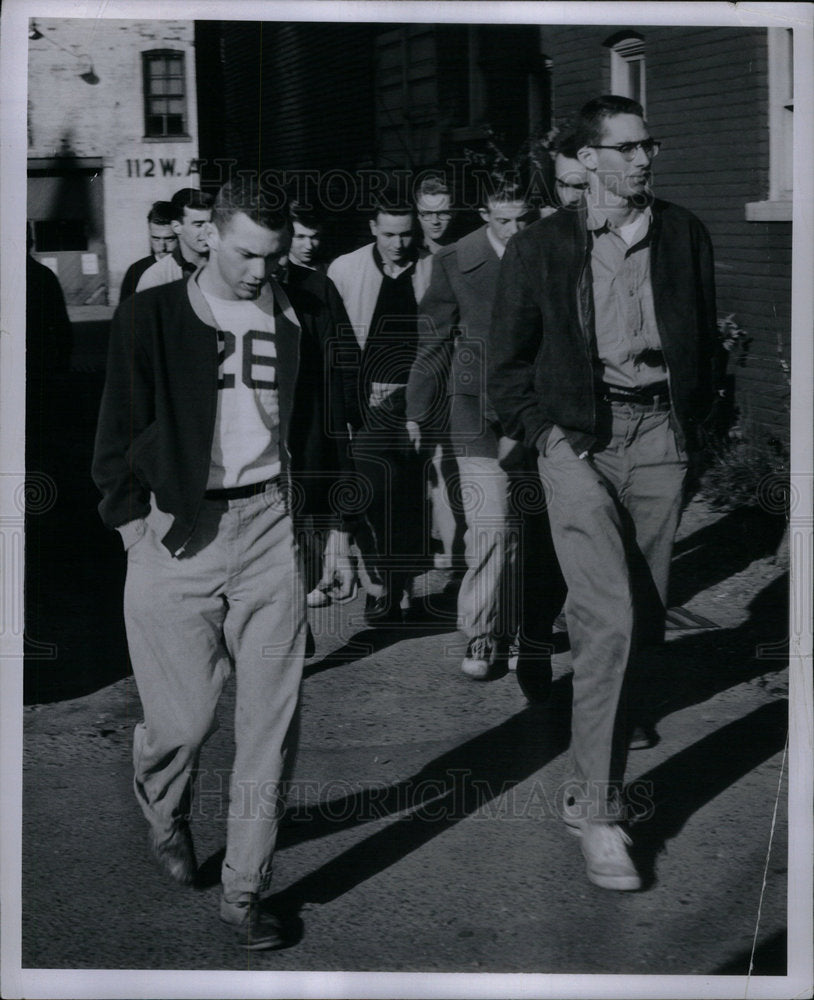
(421, 834)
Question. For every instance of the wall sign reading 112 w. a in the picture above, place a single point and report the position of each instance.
(161, 168)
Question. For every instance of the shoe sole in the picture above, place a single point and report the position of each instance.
(255, 944)
(622, 883)
(267, 943)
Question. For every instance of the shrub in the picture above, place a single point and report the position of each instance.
(749, 469)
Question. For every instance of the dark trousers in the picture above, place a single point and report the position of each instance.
(392, 477)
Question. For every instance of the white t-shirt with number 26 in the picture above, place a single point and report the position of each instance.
(246, 445)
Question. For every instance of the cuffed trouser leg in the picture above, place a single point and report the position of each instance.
(265, 635)
(237, 598)
(488, 598)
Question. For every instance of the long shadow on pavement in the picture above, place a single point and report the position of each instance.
(691, 670)
(770, 959)
(444, 792)
(459, 782)
(680, 786)
(718, 551)
(373, 640)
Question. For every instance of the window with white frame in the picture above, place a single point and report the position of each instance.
(627, 67)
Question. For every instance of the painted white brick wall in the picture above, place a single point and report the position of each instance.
(106, 120)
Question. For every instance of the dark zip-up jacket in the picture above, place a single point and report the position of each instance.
(157, 416)
(544, 367)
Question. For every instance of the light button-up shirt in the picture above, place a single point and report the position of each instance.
(627, 335)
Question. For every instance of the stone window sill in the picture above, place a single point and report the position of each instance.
(768, 211)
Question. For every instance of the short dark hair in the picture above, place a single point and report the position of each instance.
(189, 198)
(391, 201)
(592, 115)
(567, 146)
(160, 213)
(307, 217)
(431, 186)
(503, 191)
(245, 195)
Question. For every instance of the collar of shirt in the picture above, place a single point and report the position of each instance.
(631, 232)
(186, 266)
(497, 246)
(390, 270)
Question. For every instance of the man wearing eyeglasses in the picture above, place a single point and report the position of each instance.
(601, 351)
(433, 205)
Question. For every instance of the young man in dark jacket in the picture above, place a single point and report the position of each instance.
(504, 541)
(193, 460)
(601, 352)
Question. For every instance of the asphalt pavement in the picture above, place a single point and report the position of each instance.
(421, 833)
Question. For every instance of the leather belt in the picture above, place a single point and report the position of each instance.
(240, 492)
(655, 396)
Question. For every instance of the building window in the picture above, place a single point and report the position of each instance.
(164, 94)
(778, 206)
(627, 66)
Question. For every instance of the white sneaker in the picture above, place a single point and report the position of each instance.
(480, 658)
(607, 861)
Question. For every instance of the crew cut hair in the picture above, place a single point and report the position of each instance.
(592, 116)
(189, 198)
(160, 213)
(243, 194)
(391, 201)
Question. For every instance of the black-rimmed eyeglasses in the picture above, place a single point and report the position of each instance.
(650, 147)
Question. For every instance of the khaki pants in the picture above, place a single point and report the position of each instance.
(613, 520)
(234, 598)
